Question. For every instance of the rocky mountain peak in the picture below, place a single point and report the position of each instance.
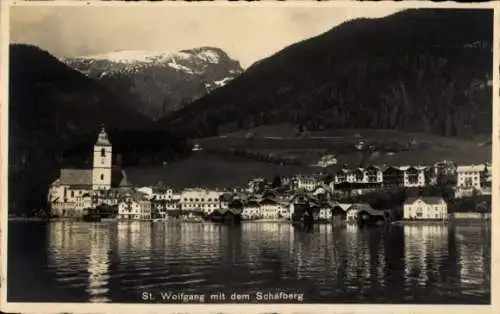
(160, 81)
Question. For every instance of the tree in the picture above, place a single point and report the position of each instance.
(276, 181)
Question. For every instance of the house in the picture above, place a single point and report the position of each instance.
(393, 177)
(165, 208)
(303, 204)
(327, 160)
(344, 175)
(339, 211)
(273, 209)
(469, 176)
(304, 182)
(473, 179)
(373, 175)
(256, 185)
(322, 191)
(413, 176)
(365, 214)
(134, 206)
(251, 210)
(425, 208)
(445, 168)
(326, 210)
(78, 189)
(200, 199)
(158, 192)
(197, 148)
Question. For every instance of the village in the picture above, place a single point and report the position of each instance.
(105, 192)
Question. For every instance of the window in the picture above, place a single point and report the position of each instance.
(102, 177)
(359, 175)
(413, 175)
(103, 152)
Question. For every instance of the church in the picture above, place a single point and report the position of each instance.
(76, 190)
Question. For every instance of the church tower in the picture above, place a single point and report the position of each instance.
(101, 172)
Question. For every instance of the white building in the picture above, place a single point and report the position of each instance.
(425, 208)
(272, 209)
(134, 206)
(325, 212)
(255, 185)
(473, 179)
(200, 199)
(327, 160)
(251, 210)
(307, 183)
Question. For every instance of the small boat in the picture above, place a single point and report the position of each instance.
(92, 218)
(159, 219)
(92, 215)
(192, 219)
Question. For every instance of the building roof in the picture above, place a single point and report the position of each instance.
(102, 138)
(404, 168)
(475, 168)
(82, 178)
(434, 200)
(323, 186)
(76, 177)
(362, 207)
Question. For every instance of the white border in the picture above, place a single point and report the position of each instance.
(228, 308)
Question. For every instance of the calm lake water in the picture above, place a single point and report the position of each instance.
(117, 262)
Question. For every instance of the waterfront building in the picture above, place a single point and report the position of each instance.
(134, 206)
(251, 210)
(326, 210)
(272, 209)
(364, 212)
(203, 200)
(425, 208)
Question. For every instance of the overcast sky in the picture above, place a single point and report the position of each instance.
(247, 34)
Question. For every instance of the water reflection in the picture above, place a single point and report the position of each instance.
(98, 264)
(116, 262)
(425, 248)
(473, 258)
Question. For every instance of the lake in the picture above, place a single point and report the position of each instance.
(119, 262)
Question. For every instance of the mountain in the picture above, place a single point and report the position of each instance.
(50, 103)
(419, 70)
(160, 82)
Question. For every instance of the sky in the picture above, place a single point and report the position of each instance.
(246, 33)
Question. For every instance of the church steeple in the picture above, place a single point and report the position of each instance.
(102, 138)
(103, 152)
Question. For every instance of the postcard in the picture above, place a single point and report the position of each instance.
(274, 157)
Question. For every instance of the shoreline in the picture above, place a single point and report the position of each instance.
(440, 222)
(451, 221)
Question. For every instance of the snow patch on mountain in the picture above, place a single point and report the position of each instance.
(173, 64)
(133, 56)
(209, 56)
(223, 82)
